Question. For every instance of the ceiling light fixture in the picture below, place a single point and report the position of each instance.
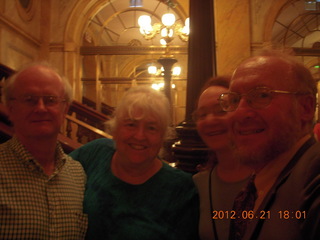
(167, 28)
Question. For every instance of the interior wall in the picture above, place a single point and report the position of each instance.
(19, 34)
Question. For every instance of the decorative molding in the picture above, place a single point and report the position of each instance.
(19, 31)
(57, 47)
(311, 52)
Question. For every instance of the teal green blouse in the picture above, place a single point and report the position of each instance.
(164, 207)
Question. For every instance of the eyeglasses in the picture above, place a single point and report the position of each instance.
(31, 100)
(259, 97)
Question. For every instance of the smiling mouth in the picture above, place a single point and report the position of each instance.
(137, 147)
(216, 133)
(250, 132)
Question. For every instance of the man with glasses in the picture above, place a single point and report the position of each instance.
(41, 188)
(272, 98)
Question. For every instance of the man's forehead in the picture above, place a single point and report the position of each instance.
(261, 71)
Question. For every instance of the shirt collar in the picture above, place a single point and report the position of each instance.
(24, 155)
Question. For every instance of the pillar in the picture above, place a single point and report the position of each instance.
(189, 150)
(167, 63)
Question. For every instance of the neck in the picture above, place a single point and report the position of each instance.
(229, 168)
(43, 150)
(134, 173)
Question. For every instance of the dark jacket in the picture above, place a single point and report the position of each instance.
(293, 201)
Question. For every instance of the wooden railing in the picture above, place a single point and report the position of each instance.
(105, 109)
(84, 124)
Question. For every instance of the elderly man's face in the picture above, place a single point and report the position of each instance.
(261, 134)
(32, 117)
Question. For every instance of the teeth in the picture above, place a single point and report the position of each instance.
(137, 147)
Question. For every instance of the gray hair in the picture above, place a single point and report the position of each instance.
(9, 83)
(148, 100)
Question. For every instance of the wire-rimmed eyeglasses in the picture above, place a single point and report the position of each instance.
(33, 100)
(259, 97)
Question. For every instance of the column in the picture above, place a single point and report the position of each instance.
(189, 150)
(167, 63)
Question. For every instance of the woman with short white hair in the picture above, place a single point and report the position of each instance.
(131, 193)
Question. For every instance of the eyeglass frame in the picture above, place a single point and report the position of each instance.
(250, 102)
(45, 98)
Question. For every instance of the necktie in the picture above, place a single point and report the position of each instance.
(244, 202)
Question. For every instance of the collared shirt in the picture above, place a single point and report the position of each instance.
(269, 174)
(36, 206)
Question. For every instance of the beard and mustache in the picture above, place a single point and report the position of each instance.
(280, 142)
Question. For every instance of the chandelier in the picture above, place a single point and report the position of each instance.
(167, 28)
(154, 71)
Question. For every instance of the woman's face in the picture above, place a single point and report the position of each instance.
(211, 120)
(138, 141)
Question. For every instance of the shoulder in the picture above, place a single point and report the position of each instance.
(73, 164)
(176, 176)
(7, 156)
(308, 166)
(92, 153)
(175, 171)
(94, 147)
(4, 147)
(200, 176)
(301, 190)
(99, 143)
(74, 167)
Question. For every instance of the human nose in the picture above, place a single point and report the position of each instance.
(40, 104)
(243, 102)
(244, 110)
(140, 132)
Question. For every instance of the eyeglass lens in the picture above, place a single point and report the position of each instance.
(256, 98)
(31, 100)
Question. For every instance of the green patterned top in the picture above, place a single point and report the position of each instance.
(164, 207)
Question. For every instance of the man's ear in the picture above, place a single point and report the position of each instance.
(308, 104)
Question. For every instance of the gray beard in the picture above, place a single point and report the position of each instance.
(257, 158)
